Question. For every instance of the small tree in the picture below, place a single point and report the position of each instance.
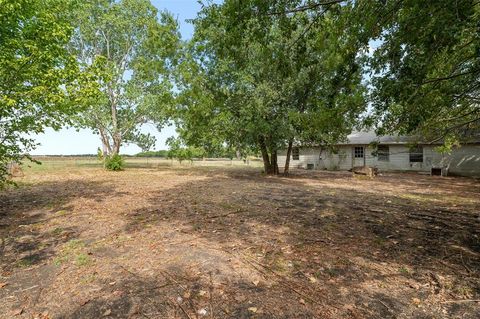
(181, 152)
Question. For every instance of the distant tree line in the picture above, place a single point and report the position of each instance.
(161, 153)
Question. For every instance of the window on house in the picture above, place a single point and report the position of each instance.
(358, 152)
(383, 153)
(295, 153)
(416, 154)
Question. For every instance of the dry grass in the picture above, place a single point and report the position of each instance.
(227, 242)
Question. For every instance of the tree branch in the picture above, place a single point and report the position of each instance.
(449, 77)
(307, 7)
(305, 31)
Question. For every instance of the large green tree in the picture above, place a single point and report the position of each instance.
(34, 69)
(424, 72)
(126, 50)
(264, 77)
(426, 69)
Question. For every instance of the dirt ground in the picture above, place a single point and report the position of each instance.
(231, 243)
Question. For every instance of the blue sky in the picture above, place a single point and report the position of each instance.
(69, 141)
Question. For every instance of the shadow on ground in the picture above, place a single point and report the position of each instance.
(302, 227)
(23, 212)
(235, 244)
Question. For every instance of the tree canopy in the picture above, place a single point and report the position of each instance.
(35, 68)
(264, 78)
(426, 70)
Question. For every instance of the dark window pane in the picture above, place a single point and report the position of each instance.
(296, 153)
(416, 155)
(358, 152)
(383, 153)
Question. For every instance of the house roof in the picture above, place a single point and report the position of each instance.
(370, 137)
(365, 138)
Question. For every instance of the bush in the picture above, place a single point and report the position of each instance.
(114, 163)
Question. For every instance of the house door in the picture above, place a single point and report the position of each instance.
(358, 156)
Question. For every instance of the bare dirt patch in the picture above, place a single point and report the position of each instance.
(231, 243)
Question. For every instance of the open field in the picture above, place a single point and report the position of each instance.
(227, 242)
(50, 163)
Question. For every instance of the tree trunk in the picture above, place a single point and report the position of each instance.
(269, 160)
(266, 159)
(107, 149)
(321, 163)
(274, 163)
(116, 135)
(287, 161)
(117, 141)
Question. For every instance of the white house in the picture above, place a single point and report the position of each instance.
(391, 153)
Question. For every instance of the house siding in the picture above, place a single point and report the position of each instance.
(462, 161)
(399, 159)
(306, 156)
(339, 160)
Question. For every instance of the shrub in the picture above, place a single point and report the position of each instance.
(114, 163)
